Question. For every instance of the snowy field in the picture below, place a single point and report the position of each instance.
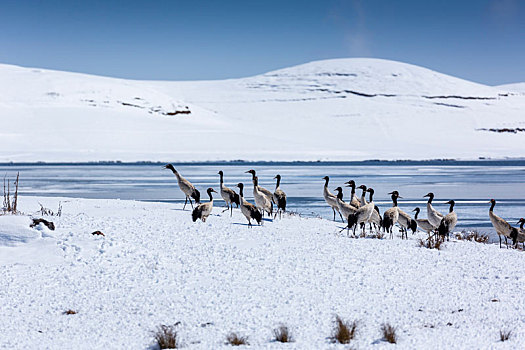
(341, 109)
(154, 266)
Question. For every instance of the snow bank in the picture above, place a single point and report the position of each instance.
(154, 266)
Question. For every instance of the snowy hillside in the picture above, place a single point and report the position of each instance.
(517, 87)
(343, 109)
(154, 266)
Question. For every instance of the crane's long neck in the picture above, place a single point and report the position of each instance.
(340, 195)
(211, 197)
(371, 197)
(430, 198)
(240, 193)
(352, 192)
(278, 183)
(326, 182)
(492, 205)
(394, 200)
(222, 180)
(451, 208)
(521, 226)
(417, 213)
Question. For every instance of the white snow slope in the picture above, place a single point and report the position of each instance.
(154, 266)
(341, 109)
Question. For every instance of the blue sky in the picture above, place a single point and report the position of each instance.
(482, 40)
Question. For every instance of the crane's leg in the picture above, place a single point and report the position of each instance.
(506, 242)
(341, 216)
(231, 209)
(334, 213)
(191, 203)
(186, 202)
(499, 240)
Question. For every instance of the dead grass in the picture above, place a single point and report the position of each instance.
(282, 334)
(473, 236)
(167, 337)
(504, 335)
(431, 242)
(378, 235)
(70, 312)
(343, 331)
(46, 211)
(10, 205)
(236, 340)
(389, 333)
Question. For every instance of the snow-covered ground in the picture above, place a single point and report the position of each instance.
(342, 109)
(154, 266)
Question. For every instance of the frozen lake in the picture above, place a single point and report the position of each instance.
(470, 184)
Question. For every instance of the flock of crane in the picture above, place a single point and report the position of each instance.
(357, 211)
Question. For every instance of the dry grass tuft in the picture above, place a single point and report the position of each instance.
(432, 242)
(389, 333)
(282, 334)
(474, 236)
(504, 335)
(343, 331)
(236, 340)
(378, 235)
(70, 312)
(10, 204)
(166, 337)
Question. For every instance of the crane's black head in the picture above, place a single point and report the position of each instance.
(277, 177)
(220, 173)
(429, 194)
(362, 187)
(417, 210)
(493, 201)
(169, 166)
(371, 190)
(395, 194)
(326, 178)
(350, 183)
(520, 221)
(451, 202)
(339, 189)
(251, 171)
(210, 190)
(240, 185)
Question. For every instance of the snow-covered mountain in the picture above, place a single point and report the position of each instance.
(342, 109)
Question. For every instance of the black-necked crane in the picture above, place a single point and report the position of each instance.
(249, 210)
(354, 201)
(449, 221)
(423, 224)
(330, 198)
(264, 191)
(521, 232)
(261, 200)
(502, 227)
(390, 216)
(203, 210)
(434, 216)
(345, 209)
(363, 214)
(229, 195)
(186, 187)
(406, 222)
(279, 197)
